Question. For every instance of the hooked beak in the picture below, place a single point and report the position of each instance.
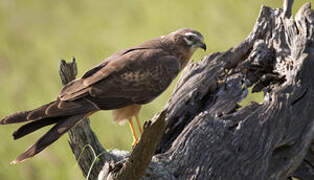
(201, 45)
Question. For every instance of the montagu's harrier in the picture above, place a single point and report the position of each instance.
(122, 83)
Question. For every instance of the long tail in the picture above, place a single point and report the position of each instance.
(35, 125)
(64, 115)
(61, 126)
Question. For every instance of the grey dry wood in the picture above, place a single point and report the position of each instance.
(208, 136)
(259, 141)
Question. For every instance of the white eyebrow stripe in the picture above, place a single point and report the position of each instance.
(193, 34)
(190, 34)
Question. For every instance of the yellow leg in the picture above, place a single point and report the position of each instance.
(135, 139)
(138, 124)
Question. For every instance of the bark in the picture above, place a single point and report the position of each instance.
(205, 134)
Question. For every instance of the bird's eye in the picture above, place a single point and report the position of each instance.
(190, 38)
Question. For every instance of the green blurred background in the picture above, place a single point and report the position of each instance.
(36, 34)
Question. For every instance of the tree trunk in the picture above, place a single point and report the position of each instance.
(204, 132)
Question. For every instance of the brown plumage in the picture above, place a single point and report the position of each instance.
(122, 82)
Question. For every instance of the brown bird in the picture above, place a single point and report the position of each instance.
(122, 83)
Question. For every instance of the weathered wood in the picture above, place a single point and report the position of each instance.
(306, 170)
(135, 165)
(208, 135)
(259, 141)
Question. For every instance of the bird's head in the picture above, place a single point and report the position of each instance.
(189, 38)
(184, 42)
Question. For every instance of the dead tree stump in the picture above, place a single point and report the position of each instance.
(204, 132)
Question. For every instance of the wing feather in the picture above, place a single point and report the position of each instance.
(136, 75)
(79, 87)
(137, 84)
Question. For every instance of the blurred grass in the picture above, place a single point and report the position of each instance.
(35, 35)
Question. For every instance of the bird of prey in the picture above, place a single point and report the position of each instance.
(122, 83)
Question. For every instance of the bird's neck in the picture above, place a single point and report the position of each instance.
(185, 57)
(183, 54)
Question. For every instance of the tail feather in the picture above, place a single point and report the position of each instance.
(15, 118)
(53, 109)
(33, 126)
(32, 115)
(51, 136)
(63, 114)
(67, 108)
(40, 112)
